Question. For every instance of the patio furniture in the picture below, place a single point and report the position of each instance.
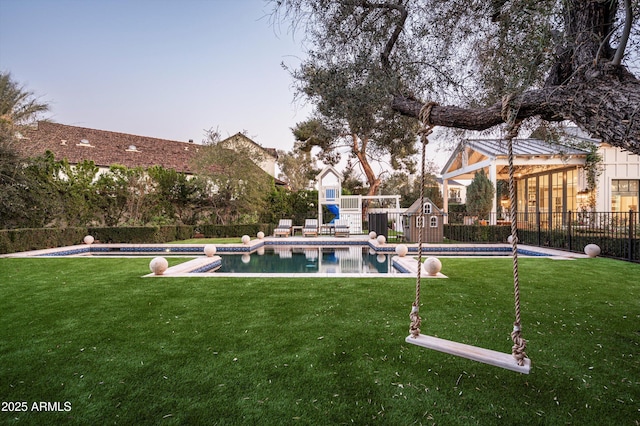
(283, 229)
(310, 228)
(341, 228)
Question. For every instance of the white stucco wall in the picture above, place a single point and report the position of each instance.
(616, 164)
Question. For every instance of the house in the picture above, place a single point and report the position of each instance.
(106, 148)
(551, 178)
(431, 223)
(265, 157)
(456, 191)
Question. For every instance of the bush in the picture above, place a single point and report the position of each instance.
(16, 240)
(477, 233)
(224, 231)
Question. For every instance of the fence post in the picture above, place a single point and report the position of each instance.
(631, 234)
(539, 228)
(569, 229)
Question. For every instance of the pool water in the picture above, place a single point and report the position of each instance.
(338, 260)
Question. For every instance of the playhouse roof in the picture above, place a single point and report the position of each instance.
(416, 206)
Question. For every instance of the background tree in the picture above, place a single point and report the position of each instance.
(480, 195)
(77, 192)
(20, 194)
(297, 168)
(174, 195)
(18, 106)
(236, 187)
(352, 116)
(552, 60)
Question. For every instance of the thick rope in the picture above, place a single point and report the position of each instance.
(425, 112)
(509, 114)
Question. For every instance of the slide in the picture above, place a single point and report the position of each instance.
(335, 210)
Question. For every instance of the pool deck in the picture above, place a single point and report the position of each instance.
(441, 250)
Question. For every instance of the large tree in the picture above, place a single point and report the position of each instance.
(235, 188)
(352, 116)
(474, 60)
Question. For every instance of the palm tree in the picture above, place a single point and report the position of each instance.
(18, 107)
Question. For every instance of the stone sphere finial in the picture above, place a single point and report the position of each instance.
(432, 266)
(158, 265)
(210, 250)
(402, 250)
(592, 250)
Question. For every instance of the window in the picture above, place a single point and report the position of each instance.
(426, 208)
(330, 194)
(84, 142)
(624, 195)
(420, 222)
(433, 222)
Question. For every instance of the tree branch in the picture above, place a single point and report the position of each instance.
(604, 104)
(386, 53)
(617, 59)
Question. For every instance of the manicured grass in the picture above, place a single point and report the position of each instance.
(129, 350)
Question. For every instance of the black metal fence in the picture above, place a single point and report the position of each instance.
(616, 233)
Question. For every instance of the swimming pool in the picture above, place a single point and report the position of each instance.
(309, 257)
(308, 260)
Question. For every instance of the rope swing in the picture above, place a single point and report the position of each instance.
(517, 360)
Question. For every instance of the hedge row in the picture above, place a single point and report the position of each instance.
(17, 240)
(477, 233)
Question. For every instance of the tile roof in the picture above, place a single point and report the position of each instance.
(106, 148)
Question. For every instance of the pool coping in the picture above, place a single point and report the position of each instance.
(404, 267)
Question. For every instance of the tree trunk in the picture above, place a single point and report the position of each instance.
(360, 153)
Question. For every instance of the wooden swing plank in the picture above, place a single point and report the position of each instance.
(475, 353)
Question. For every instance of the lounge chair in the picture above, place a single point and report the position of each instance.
(283, 229)
(310, 228)
(341, 228)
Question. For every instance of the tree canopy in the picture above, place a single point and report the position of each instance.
(480, 195)
(18, 106)
(473, 60)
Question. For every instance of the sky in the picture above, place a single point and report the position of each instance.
(163, 68)
(169, 69)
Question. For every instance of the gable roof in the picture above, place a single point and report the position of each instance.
(474, 154)
(416, 206)
(106, 148)
(241, 136)
(329, 170)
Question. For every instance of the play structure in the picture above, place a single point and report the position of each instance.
(347, 208)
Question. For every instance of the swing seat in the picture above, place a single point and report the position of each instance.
(486, 356)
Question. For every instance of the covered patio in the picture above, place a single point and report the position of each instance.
(549, 177)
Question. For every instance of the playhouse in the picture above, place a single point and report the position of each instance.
(346, 208)
(430, 223)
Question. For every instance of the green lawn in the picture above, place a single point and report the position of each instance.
(122, 349)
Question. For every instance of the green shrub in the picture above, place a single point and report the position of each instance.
(16, 240)
(477, 233)
(223, 231)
